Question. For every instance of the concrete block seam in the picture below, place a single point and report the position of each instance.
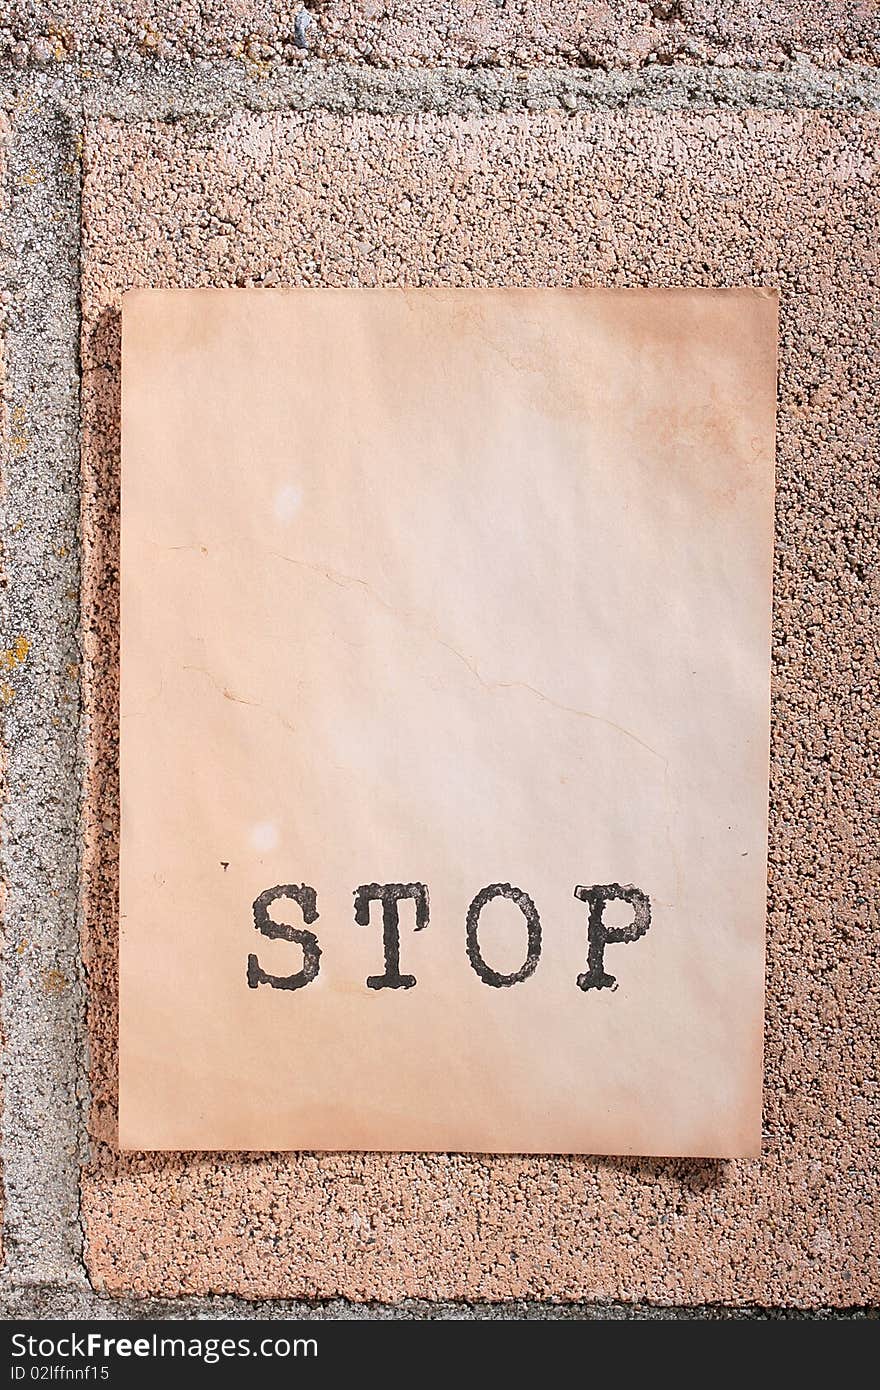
(169, 91)
(44, 1053)
(64, 1302)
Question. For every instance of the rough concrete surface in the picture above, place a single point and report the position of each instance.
(491, 33)
(7, 691)
(744, 152)
(540, 198)
(44, 1086)
(75, 1303)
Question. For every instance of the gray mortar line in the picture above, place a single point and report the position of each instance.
(167, 90)
(43, 995)
(67, 1303)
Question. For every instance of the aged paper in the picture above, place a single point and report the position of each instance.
(444, 719)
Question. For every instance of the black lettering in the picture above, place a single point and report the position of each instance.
(599, 936)
(533, 922)
(307, 899)
(389, 895)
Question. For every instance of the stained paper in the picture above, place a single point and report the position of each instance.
(444, 719)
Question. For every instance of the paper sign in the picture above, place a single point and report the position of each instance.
(444, 719)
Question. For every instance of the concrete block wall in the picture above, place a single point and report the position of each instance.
(352, 143)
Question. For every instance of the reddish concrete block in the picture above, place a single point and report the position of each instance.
(630, 198)
(599, 33)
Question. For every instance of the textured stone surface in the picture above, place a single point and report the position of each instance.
(635, 198)
(507, 33)
(42, 1014)
(50, 1301)
(10, 658)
